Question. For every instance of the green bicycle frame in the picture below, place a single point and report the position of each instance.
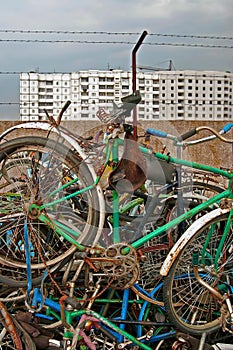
(68, 233)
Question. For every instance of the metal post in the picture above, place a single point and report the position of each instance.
(135, 49)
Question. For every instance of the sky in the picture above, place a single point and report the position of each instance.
(73, 35)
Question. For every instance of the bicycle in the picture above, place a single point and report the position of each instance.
(119, 261)
(90, 222)
(95, 195)
(198, 274)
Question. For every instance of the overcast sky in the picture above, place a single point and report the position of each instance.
(22, 51)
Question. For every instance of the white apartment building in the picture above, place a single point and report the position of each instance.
(166, 95)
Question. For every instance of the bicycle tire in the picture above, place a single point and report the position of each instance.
(191, 307)
(45, 174)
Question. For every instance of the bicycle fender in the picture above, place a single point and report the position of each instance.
(48, 127)
(188, 234)
(31, 125)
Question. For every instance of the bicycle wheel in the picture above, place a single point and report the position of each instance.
(156, 250)
(191, 306)
(33, 169)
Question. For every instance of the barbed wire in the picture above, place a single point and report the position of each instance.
(161, 102)
(11, 72)
(164, 76)
(72, 32)
(114, 43)
(108, 42)
(10, 103)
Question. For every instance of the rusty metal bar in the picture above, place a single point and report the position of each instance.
(134, 52)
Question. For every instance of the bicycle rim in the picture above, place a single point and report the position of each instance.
(190, 305)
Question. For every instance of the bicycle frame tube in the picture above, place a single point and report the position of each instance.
(60, 229)
(60, 200)
(189, 164)
(187, 215)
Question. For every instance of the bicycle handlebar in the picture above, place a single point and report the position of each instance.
(217, 134)
(192, 132)
(159, 133)
(227, 128)
(156, 132)
(224, 130)
(188, 134)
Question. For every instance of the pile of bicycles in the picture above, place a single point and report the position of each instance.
(107, 244)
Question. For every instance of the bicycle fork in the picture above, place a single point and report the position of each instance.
(223, 299)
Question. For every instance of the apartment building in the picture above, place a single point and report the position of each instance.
(166, 95)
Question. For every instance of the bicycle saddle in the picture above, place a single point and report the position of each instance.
(119, 113)
(130, 172)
